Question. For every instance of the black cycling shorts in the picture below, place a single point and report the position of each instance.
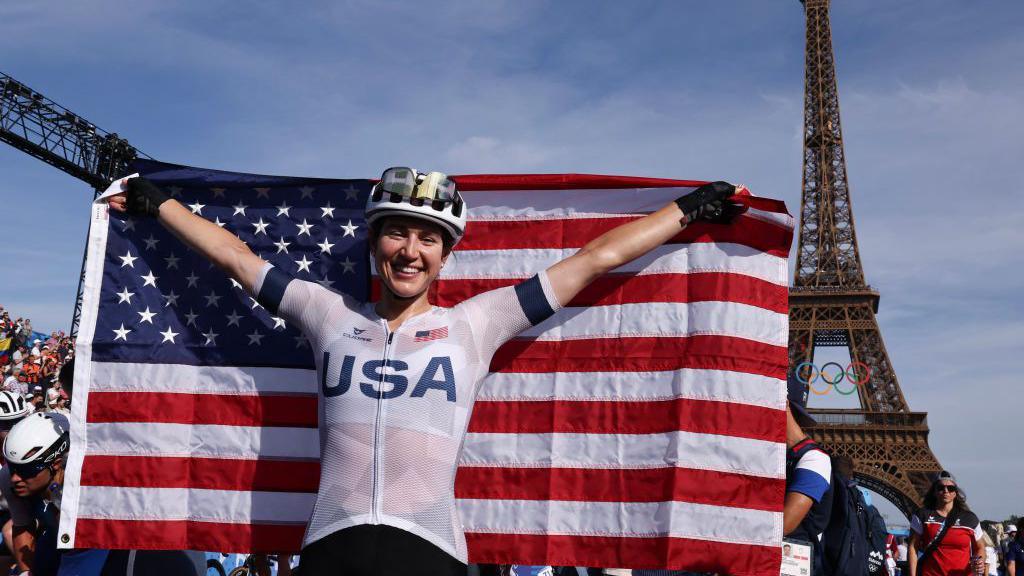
(376, 550)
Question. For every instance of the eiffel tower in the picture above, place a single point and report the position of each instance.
(831, 304)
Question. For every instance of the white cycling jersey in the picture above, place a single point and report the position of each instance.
(394, 406)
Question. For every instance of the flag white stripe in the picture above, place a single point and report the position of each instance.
(683, 449)
(683, 519)
(667, 259)
(662, 319)
(234, 506)
(702, 384)
(697, 383)
(185, 379)
(548, 204)
(160, 439)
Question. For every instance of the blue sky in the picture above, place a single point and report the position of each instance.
(929, 92)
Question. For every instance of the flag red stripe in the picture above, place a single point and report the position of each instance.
(574, 233)
(642, 355)
(621, 485)
(264, 475)
(615, 289)
(224, 409)
(636, 552)
(516, 182)
(188, 535)
(629, 417)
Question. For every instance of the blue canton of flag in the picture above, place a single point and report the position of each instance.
(161, 302)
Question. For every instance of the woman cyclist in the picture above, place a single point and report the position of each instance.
(398, 377)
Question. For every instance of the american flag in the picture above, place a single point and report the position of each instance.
(642, 426)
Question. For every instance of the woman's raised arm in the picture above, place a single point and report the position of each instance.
(216, 244)
(632, 240)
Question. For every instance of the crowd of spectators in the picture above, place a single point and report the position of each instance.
(31, 363)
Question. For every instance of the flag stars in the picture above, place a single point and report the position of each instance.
(211, 337)
(125, 296)
(255, 304)
(304, 264)
(235, 283)
(233, 318)
(262, 193)
(301, 341)
(121, 333)
(255, 338)
(278, 322)
(151, 242)
(174, 191)
(190, 318)
(239, 209)
(197, 208)
(283, 209)
(261, 226)
(128, 260)
(218, 192)
(325, 283)
(212, 299)
(328, 211)
(129, 224)
(307, 192)
(282, 246)
(348, 266)
(351, 193)
(149, 280)
(350, 229)
(192, 279)
(146, 315)
(325, 246)
(304, 228)
(172, 261)
(218, 222)
(168, 335)
(172, 299)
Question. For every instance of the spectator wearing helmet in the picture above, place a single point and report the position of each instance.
(13, 409)
(32, 480)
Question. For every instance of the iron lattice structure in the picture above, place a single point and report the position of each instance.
(42, 128)
(831, 304)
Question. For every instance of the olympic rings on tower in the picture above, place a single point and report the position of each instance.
(856, 373)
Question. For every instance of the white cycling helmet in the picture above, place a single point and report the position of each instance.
(36, 442)
(12, 407)
(432, 196)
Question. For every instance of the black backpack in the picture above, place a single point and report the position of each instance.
(876, 538)
(845, 539)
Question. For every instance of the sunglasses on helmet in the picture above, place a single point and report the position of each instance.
(401, 182)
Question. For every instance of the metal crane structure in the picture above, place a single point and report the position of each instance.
(831, 304)
(42, 128)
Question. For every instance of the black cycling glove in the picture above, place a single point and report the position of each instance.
(144, 197)
(710, 203)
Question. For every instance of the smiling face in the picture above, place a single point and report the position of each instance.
(409, 254)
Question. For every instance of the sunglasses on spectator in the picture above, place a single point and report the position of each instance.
(946, 488)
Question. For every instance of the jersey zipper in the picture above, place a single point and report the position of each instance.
(375, 500)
